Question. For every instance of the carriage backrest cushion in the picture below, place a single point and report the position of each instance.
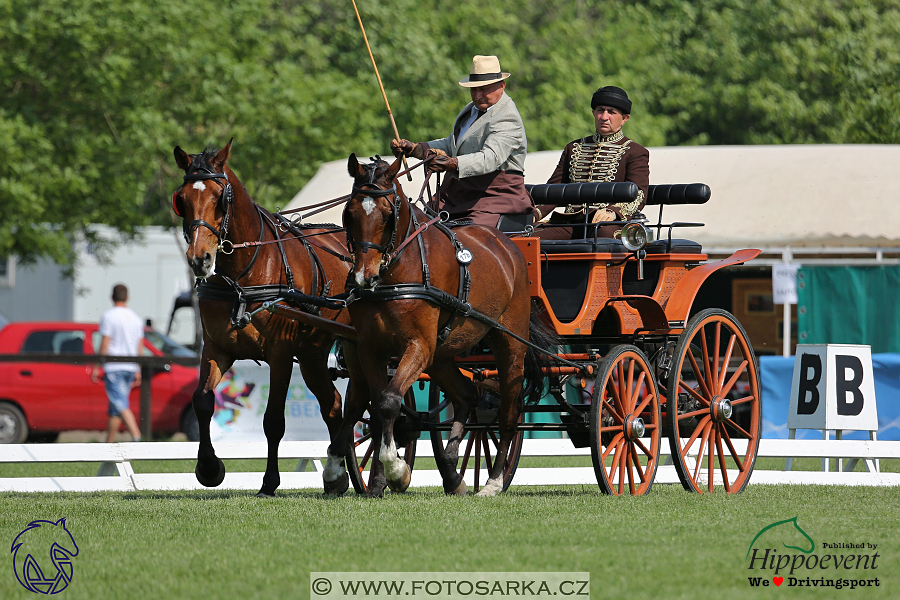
(678, 193)
(562, 194)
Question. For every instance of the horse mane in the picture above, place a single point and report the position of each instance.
(203, 160)
(373, 170)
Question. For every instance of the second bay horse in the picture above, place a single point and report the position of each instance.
(420, 290)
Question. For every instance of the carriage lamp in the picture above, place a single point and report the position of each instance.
(636, 234)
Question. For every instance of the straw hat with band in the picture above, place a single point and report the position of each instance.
(485, 71)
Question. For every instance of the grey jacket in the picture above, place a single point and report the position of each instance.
(494, 142)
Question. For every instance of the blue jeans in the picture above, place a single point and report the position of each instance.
(118, 389)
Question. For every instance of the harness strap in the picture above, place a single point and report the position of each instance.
(416, 291)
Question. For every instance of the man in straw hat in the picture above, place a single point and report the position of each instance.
(484, 156)
(606, 155)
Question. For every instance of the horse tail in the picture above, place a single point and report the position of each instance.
(542, 334)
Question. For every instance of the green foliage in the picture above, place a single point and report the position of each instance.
(94, 95)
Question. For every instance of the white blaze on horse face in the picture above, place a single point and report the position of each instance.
(368, 205)
(198, 185)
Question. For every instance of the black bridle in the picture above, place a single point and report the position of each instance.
(226, 202)
(370, 189)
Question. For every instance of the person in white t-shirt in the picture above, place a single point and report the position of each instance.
(122, 332)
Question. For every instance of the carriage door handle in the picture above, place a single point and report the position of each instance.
(25, 373)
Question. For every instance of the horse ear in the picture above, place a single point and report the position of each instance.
(222, 157)
(392, 171)
(182, 158)
(353, 166)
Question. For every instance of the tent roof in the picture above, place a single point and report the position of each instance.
(798, 195)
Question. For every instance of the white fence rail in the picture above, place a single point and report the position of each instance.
(117, 474)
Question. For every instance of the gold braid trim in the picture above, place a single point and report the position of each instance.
(598, 160)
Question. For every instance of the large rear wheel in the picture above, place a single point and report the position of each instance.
(360, 463)
(625, 423)
(713, 407)
(481, 441)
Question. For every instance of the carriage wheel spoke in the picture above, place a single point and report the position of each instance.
(644, 403)
(620, 419)
(476, 466)
(635, 460)
(699, 374)
(706, 363)
(700, 455)
(630, 472)
(468, 453)
(725, 362)
(704, 400)
(644, 449)
(620, 458)
(726, 388)
(487, 453)
(739, 429)
(693, 413)
(734, 454)
(722, 464)
(743, 400)
(630, 389)
(711, 459)
(366, 457)
(715, 364)
(613, 443)
(697, 431)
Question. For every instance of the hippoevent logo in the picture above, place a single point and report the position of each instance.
(783, 553)
(42, 556)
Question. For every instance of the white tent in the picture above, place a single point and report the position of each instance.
(761, 195)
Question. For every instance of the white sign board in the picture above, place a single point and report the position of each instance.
(784, 283)
(833, 388)
(241, 401)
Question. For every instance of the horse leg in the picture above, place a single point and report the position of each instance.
(359, 394)
(412, 363)
(281, 365)
(318, 380)
(461, 391)
(510, 359)
(210, 470)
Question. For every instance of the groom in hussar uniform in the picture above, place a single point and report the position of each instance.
(484, 156)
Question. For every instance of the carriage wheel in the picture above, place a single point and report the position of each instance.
(713, 406)
(359, 467)
(625, 423)
(479, 446)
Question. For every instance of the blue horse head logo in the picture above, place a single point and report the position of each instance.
(42, 556)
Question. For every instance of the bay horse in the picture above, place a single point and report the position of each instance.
(246, 255)
(414, 296)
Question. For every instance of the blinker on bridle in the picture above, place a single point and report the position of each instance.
(226, 201)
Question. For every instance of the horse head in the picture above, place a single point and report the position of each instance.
(372, 217)
(204, 202)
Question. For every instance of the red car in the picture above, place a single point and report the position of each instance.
(40, 399)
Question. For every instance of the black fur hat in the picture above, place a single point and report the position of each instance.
(611, 95)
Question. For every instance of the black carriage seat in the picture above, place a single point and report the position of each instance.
(563, 194)
(515, 223)
(672, 194)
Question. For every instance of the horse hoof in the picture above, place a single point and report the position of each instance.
(403, 483)
(461, 490)
(262, 494)
(491, 489)
(338, 486)
(211, 480)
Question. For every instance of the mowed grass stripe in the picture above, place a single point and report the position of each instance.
(229, 544)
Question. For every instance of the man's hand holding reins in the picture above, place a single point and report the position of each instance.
(439, 162)
(407, 148)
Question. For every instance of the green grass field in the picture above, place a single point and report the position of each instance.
(229, 544)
